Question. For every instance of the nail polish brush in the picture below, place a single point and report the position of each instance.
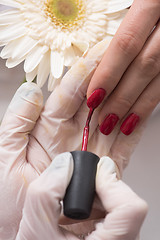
(80, 193)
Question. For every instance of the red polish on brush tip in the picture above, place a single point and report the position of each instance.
(96, 98)
(129, 124)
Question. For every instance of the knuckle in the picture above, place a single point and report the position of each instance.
(148, 65)
(124, 101)
(109, 75)
(128, 43)
(136, 209)
(150, 101)
(140, 208)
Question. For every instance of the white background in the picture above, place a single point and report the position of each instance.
(143, 172)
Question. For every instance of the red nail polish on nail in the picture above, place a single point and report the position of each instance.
(108, 124)
(129, 124)
(96, 98)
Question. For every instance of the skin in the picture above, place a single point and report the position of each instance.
(129, 70)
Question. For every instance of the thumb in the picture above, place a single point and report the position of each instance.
(42, 205)
(125, 210)
(20, 117)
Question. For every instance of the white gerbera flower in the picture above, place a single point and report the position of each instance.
(51, 34)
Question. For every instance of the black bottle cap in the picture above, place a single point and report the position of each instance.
(79, 195)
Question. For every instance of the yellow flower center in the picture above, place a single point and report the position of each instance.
(65, 13)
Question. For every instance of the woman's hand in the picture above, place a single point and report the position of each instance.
(31, 137)
(124, 210)
(130, 69)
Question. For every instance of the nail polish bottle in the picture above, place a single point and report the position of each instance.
(79, 196)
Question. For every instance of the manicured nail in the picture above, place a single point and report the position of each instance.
(129, 124)
(96, 98)
(108, 124)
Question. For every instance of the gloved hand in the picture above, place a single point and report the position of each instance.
(31, 137)
(125, 210)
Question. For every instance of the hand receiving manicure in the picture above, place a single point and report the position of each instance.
(129, 71)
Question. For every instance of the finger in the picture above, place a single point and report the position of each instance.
(126, 211)
(141, 72)
(20, 119)
(143, 107)
(42, 206)
(126, 44)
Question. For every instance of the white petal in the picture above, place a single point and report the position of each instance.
(95, 30)
(18, 48)
(25, 45)
(97, 17)
(52, 83)
(31, 75)
(12, 32)
(10, 63)
(34, 58)
(11, 3)
(97, 7)
(8, 50)
(69, 56)
(57, 64)
(118, 5)
(43, 69)
(100, 23)
(9, 17)
(115, 15)
(114, 24)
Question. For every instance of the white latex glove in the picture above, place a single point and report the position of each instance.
(125, 210)
(31, 137)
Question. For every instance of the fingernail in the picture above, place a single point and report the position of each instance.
(109, 123)
(129, 124)
(96, 98)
